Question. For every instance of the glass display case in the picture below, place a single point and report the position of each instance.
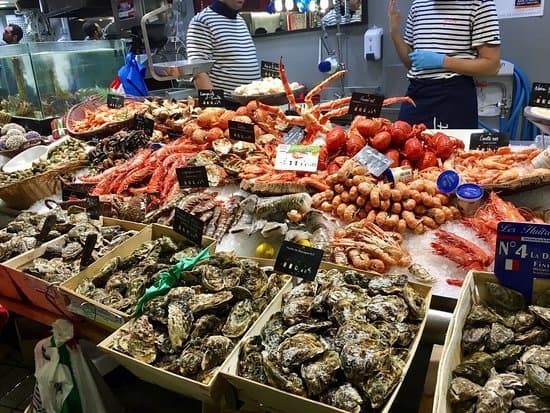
(43, 80)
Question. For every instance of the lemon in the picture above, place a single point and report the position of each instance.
(304, 242)
(265, 250)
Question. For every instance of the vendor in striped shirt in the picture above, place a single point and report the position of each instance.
(219, 33)
(445, 44)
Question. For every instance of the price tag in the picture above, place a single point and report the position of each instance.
(192, 177)
(522, 255)
(239, 131)
(213, 98)
(144, 123)
(48, 225)
(365, 104)
(269, 69)
(92, 206)
(489, 140)
(294, 136)
(174, 134)
(302, 158)
(298, 260)
(540, 95)
(89, 245)
(115, 101)
(188, 225)
(373, 160)
(75, 191)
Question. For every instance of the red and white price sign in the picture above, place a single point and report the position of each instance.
(303, 158)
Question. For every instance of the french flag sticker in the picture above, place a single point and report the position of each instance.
(511, 265)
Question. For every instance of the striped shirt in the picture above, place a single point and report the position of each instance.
(329, 19)
(228, 42)
(452, 27)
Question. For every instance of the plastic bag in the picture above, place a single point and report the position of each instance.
(132, 77)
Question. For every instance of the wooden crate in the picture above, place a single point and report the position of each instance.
(100, 313)
(262, 397)
(41, 293)
(211, 393)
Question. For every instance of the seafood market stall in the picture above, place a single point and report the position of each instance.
(260, 256)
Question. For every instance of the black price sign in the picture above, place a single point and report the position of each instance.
(298, 260)
(365, 105)
(92, 206)
(239, 131)
(489, 140)
(144, 123)
(213, 98)
(192, 177)
(89, 245)
(48, 225)
(75, 191)
(294, 136)
(269, 69)
(115, 101)
(540, 95)
(188, 225)
(174, 134)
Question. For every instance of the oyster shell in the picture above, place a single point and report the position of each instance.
(157, 309)
(499, 336)
(507, 355)
(388, 284)
(209, 302)
(253, 278)
(206, 325)
(363, 357)
(300, 348)
(474, 339)
(141, 343)
(481, 314)
(321, 373)
(205, 377)
(275, 283)
(477, 368)
(273, 332)
(162, 341)
(537, 335)
(242, 315)
(180, 321)
(390, 308)
(522, 321)
(513, 381)
(168, 362)
(539, 379)
(250, 360)
(190, 361)
(494, 398)
(216, 350)
(297, 310)
(532, 404)
(461, 389)
(354, 329)
(378, 387)
(503, 297)
(71, 250)
(542, 313)
(415, 302)
(103, 276)
(345, 397)
(276, 376)
(309, 327)
(537, 355)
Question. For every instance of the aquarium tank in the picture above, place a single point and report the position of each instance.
(46, 79)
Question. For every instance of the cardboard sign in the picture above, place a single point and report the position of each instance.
(489, 140)
(298, 260)
(540, 95)
(188, 225)
(365, 104)
(144, 123)
(294, 136)
(192, 177)
(213, 98)
(115, 101)
(377, 163)
(239, 131)
(302, 158)
(522, 255)
(92, 206)
(269, 69)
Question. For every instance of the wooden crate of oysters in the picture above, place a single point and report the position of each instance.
(181, 339)
(37, 272)
(108, 290)
(496, 356)
(342, 343)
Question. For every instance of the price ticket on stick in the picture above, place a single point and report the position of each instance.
(522, 255)
(213, 98)
(145, 124)
(489, 140)
(192, 177)
(188, 225)
(540, 95)
(373, 160)
(303, 158)
(269, 69)
(115, 101)
(365, 104)
(298, 260)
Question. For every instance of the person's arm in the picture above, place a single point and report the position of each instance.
(487, 64)
(401, 47)
(199, 46)
(202, 81)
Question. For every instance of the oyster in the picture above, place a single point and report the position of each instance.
(531, 404)
(537, 355)
(415, 302)
(387, 284)
(537, 335)
(522, 321)
(206, 325)
(297, 310)
(103, 276)
(190, 361)
(209, 302)
(481, 314)
(212, 277)
(405, 333)
(345, 397)
(503, 297)
(275, 283)
(141, 343)
(321, 373)
(118, 282)
(205, 377)
(180, 321)
(156, 309)
(474, 339)
(513, 381)
(507, 355)
(350, 276)
(309, 327)
(253, 278)
(216, 350)
(390, 308)
(232, 277)
(542, 313)
(300, 348)
(273, 332)
(462, 389)
(494, 398)
(499, 336)
(306, 289)
(477, 368)
(539, 379)
(242, 315)
(250, 360)
(354, 329)
(276, 377)
(168, 362)
(71, 250)
(378, 387)
(363, 357)
(162, 341)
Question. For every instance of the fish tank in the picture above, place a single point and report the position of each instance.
(46, 79)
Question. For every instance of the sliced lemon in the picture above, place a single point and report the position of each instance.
(265, 250)
(304, 242)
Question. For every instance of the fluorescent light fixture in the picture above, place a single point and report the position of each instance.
(312, 6)
(323, 4)
(279, 5)
(289, 5)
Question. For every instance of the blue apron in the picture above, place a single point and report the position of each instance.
(442, 103)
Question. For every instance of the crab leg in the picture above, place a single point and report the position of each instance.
(334, 104)
(288, 90)
(332, 114)
(321, 86)
(398, 99)
(277, 111)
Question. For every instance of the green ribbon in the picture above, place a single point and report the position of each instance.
(169, 279)
(72, 403)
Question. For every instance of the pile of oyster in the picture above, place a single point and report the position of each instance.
(506, 356)
(342, 340)
(62, 260)
(191, 330)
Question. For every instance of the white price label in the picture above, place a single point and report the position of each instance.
(303, 158)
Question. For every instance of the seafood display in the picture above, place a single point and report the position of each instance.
(103, 114)
(505, 355)
(116, 149)
(342, 339)
(264, 86)
(14, 137)
(192, 329)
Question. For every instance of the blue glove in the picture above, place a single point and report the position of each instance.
(424, 59)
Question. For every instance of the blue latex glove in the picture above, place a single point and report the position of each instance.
(424, 59)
